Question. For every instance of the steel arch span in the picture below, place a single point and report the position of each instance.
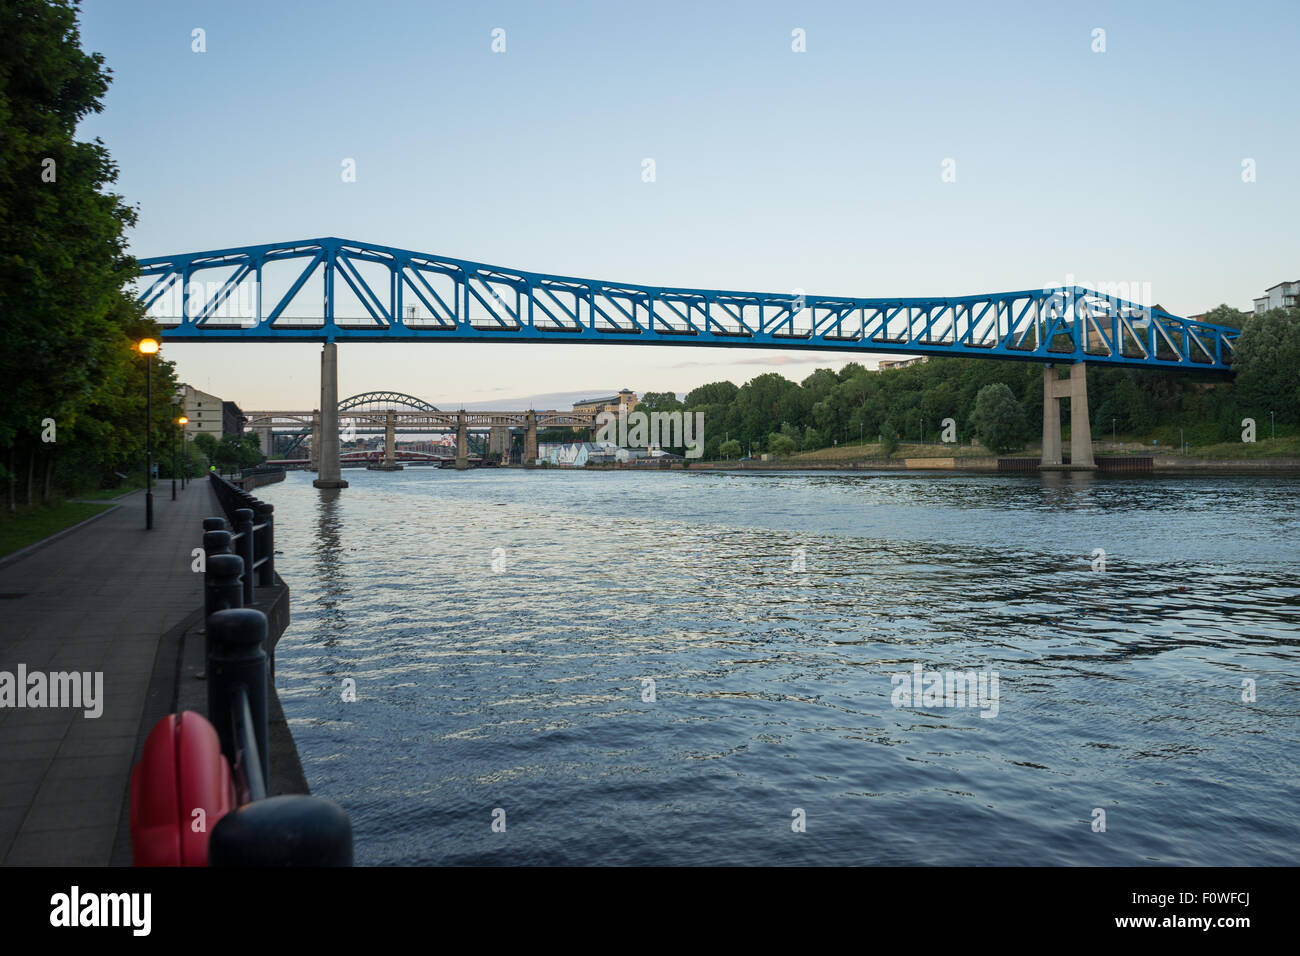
(386, 400)
(219, 296)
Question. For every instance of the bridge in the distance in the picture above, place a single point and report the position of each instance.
(386, 412)
(332, 290)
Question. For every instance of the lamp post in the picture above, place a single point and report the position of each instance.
(1112, 431)
(180, 421)
(1272, 424)
(183, 421)
(148, 348)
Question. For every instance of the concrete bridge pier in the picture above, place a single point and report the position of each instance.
(499, 441)
(1075, 388)
(390, 438)
(530, 439)
(462, 442)
(328, 459)
(267, 441)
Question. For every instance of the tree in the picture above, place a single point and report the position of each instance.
(1268, 366)
(68, 323)
(729, 449)
(658, 402)
(207, 443)
(781, 445)
(998, 419)
(888, 437)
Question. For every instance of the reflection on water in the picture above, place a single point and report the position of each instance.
(527, 690)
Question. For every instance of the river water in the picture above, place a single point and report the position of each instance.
(700, 668)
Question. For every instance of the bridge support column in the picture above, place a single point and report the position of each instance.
(328, 460)
(268, 441)
(462, 442)
(530, 439)
(390, 438)
(1075, 388)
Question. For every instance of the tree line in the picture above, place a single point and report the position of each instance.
(1000, 403)
(73, 415)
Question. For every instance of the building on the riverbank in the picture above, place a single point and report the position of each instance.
(208, 413)
(884, 365)
(621, 404)
(204, 411)
(1284, 295)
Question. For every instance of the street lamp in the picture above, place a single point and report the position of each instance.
(1272, 424)
(148, 348)
(183, 421)
(180, 421)
(1112, 430)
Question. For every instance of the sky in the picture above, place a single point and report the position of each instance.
(1163, 153)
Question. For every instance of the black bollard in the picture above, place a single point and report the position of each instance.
(236, 658)
(291, 830)
(221, 586)
(214, 524)
(216, 542)
(266, 515)
(244, 528)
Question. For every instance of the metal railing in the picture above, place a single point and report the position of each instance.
(253, 538)
(289, 830)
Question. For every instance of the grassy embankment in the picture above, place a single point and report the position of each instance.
(26, 526)
(1281, 447)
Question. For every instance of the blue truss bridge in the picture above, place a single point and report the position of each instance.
(336, 290)
(361, 292)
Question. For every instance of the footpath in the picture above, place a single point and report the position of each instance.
(95, 601)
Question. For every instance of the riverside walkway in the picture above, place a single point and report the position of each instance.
(97, 599)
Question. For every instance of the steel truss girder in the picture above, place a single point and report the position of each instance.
(456, 300)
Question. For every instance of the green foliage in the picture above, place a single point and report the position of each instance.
(782, 445)
(729, 449)
(68, 324)
(998, 419)
(1268, 353)
(658, 402)
(888, 437)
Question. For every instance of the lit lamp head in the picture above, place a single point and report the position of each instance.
(182, 420)
(148, 346)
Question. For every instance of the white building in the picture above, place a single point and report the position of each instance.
(1281, 296)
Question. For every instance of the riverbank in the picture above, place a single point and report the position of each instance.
(1160, 464)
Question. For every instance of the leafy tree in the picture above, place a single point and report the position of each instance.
(68, 325)
(715, 393)
(207, 443)
(781, 445)
(729, 449)
(658, 402)
(888, 437)
(1268, 357)
(998, 419)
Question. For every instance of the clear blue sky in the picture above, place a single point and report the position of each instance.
(775, 170)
